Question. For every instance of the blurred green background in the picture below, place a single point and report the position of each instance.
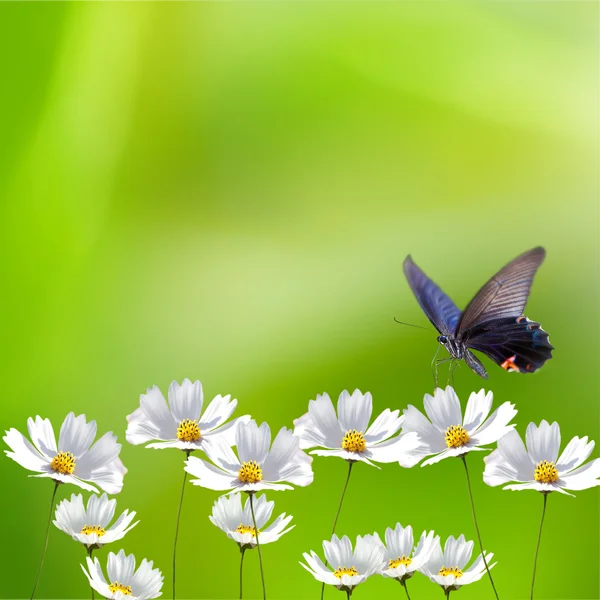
(226, 191)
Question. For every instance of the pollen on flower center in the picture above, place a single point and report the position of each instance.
(456, 436)
(250, 472)
(188, 431)
(345, 571)
(63, 463)
(450, 571)
(546, 472)
(247, 529)
(401, 560)
(120, 587)
(354, 441)
(89, 529)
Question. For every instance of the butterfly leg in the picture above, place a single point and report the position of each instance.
(439, 362)
(455, 363)
(434, 365)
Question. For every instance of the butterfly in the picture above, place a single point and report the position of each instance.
(493, 322)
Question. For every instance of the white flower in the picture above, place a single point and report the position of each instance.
(181, 424)
(537, 467)
(123, 581)
(237, 523)
(348, 434)
(348, 568)
(90, 525)
(255, 467)
(402, 558)
(448, 434)
(74, 460)
(447, 568)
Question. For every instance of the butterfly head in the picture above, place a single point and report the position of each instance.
(442, 339)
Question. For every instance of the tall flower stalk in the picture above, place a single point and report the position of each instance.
(177, 527)
(537, 547)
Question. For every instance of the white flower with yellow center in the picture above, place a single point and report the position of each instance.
(448, 568)
(446, 433)
(257, 465)
(538, 467)
(124, 582)
(229, 516)
(74, 460)
(348, 568)
(181, 423)
(348, 434)
(91, 525)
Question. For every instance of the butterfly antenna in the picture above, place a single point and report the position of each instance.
(411, 325)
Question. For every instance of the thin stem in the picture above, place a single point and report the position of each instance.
(448, 592)
(403, 584)
(262, 573)
(243, 550)
(464, 461)
(177, 526)
(56, 484)
(537, 548)
(89, 551)
(347, 594)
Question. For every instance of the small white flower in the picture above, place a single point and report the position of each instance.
(123, 581)
(90, 525)
(447, 568)
(237, 523)
(256, 467)
(348, 568)
(75, 460)
(348, 434)
(447, 434)
(537, 467)
(181, 424)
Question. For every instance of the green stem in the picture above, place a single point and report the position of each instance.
(90, 550)
(177, 526)
(447, 591)
(403, 584)
(537, 548)
(262, 573)
(243, 550)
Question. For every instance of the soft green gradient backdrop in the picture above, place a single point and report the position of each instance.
(227, 192)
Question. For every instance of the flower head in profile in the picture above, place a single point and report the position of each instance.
(76, 459)
(348, 435)
(448, 568)
(181, 423)
(123, 580)
(229, 516)
(539, 467)
(91, 525)
(257, 465)
(446, 433)
(348, 568)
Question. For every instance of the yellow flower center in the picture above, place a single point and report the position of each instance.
(250, 472)
(345, 571)
(89, 529)
(546, 472)
(247, 529)
(120, 587)
(188, 431)
(354, 441)
(63, 463)
(401, 560)
(450, 571)
(456, 436)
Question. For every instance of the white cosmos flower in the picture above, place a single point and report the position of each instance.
(181, 423)
(75, 460)
(447, 568)
(90, 525)
(229, 516)
(348, 434)
(348, 568)
(447, 433)
(539, 467)
(123, 581)
(255, 467)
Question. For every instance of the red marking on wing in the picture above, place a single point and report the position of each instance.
(509, 365)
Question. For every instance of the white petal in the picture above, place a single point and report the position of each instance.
(227, 433)
(478, 408)
(208, 475)
(154, 405)
(76, 435)
(120, 567)
(140, 429)
(104, 451)
(42, 436)
(496, 426)
(185, 400)
(217, 412)
(354, 411)
(252, 441)
(584, 477)
(384, 426)
(403, 449)
(576, 453)
(325, 426)
(23, 452)
(306, 431)
(510, 462)
(285, 447)
(543, 442)
(443, 408)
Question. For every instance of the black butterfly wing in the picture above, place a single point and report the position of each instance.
(505, 294)
(515, 344)
(440, 310)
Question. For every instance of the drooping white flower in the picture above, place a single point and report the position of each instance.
(90, 525)
(447, 433)
(124, 581)
(229, 516)
(75, 460)
(348, 434)
(348, 568)
(538, 467)
(181, 423)
(447, 568)
(257, 465)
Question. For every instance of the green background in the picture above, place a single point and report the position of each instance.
(226, 191)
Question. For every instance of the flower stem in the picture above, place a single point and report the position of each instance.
(464, 461)
(447, 591)
(90, 550)
(242, 551)
(56, 483)
(337, 515)
(403, 584)
(177, 526)
(537, 548)
(262, 573)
